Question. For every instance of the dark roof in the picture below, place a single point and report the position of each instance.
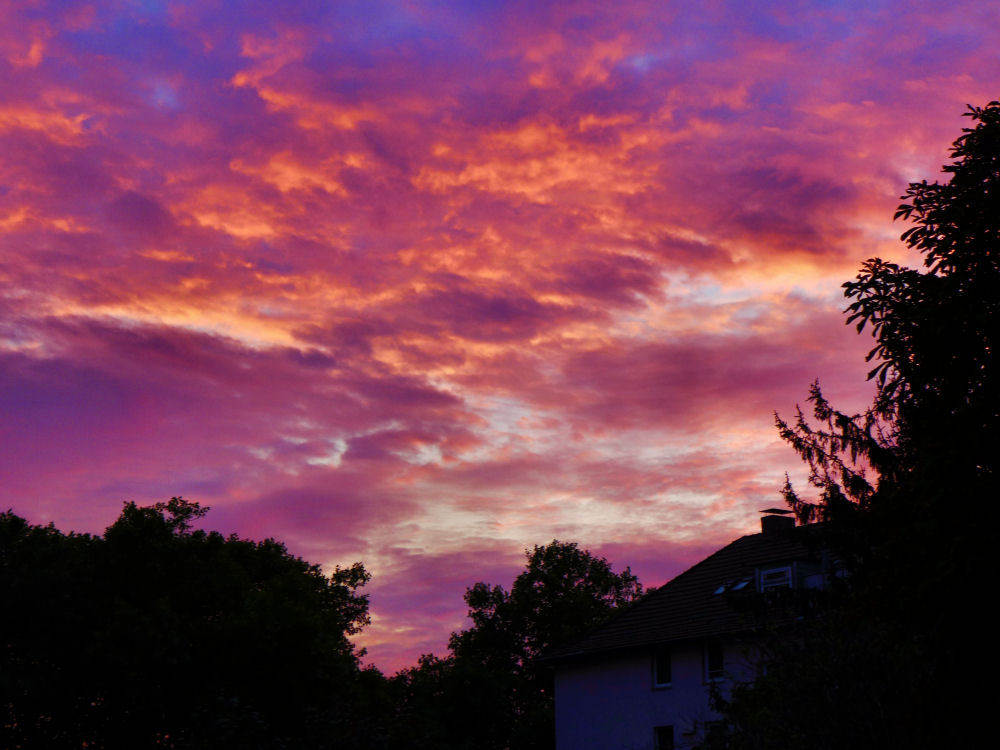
(687, 606)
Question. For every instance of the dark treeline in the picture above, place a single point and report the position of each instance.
(906, 492)
(157, 635)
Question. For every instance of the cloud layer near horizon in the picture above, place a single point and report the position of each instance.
(423, 284)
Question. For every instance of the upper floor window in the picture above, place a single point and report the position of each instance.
(772, 578)
(715, 667)
(662, 667)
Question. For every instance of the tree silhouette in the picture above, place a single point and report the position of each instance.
(936, 341)
(155, 634)
(907, 489)
(491, 692)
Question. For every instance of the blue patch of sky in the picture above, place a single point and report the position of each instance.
(358, 38)
(770, 25)
(646, 61)
(428, 62)
(164, 96)
(694, 35)
(264, 263)
(784, 23)
(938, 51)
(147, 42)
(151, 7)
(641, 77)
(371, 24)
(854, 5)
(679, 45)
(770, 99)
(480, 106)
(627, 93)
(585, 24)
(720, 113)
(238, 16)
(124, 37)
(88, 123)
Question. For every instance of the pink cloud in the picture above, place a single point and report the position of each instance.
(425, 285)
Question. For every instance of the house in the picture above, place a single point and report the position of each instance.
(643, 680)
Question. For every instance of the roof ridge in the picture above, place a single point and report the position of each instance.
(684, 607)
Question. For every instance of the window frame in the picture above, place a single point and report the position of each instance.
(659, 732)
(718, 674)
(658, 653)
(786, 581)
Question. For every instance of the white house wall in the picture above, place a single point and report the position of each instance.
(608, 702)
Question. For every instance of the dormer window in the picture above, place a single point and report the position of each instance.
(773, 578)
(731, 586)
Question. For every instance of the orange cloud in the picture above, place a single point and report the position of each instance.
(424, 286)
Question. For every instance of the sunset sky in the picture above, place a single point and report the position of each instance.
(423, 284)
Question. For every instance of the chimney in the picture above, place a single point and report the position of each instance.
(776, 520)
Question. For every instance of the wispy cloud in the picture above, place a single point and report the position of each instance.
(426, 284)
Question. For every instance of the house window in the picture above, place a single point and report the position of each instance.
(662, 676)
(715, 668)
(774, 578)
(663, 738)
